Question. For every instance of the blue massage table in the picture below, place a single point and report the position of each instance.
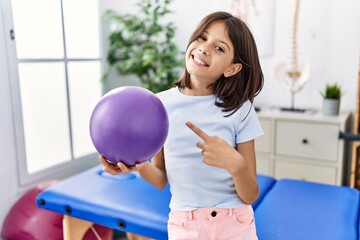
(123, 202)
(286, 209)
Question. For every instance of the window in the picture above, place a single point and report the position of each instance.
(55, 56)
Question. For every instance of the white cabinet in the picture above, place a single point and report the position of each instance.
(302, 145)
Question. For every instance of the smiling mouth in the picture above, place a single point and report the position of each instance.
(199, 61)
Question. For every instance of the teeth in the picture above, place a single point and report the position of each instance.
(199, 61)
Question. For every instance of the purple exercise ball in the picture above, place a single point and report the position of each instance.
(129, 125)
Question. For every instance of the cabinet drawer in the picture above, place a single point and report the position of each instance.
(262, 144)
(307, 140)
(305, 172)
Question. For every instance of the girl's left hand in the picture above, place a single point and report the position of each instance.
(216, 151)
(118, 168)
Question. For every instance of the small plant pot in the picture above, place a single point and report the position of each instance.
(331, 107)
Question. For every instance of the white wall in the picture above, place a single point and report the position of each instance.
(329, 38)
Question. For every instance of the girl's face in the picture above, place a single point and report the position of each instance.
(211, 55)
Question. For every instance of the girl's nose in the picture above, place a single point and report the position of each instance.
(203, 49)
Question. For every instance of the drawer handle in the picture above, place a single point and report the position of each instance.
(305, 141)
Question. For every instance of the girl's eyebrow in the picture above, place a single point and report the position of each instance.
(220, 41)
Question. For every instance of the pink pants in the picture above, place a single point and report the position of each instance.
(213, 224)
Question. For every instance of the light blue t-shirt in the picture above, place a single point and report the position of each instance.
(194, 184)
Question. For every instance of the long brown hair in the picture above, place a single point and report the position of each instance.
(232, 91)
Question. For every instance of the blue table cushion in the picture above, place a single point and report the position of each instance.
(299, 210)
(123, 202)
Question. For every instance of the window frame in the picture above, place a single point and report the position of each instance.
(62, 170)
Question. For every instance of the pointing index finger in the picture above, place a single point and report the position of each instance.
(197, 131)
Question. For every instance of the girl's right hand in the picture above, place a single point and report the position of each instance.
(118, 168)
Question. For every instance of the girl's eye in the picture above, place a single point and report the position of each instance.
(202, 37)
(220, 49)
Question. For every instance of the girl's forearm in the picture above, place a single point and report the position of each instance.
(248, 192)
(154, 175)
(245, 183)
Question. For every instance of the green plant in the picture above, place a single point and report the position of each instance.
(332, 91)
(143, 45)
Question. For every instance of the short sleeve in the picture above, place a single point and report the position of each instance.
(249, 125)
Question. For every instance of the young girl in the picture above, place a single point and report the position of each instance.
(209, 158)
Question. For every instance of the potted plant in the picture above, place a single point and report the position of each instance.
(332, 95)
(142, 44)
